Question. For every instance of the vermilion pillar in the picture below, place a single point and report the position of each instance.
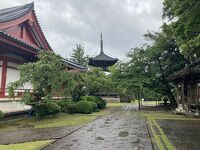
(3, 78)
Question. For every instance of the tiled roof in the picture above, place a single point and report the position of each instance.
(102, 60)
(13, 13)
(186, 72)
(14, 39)
(74, 64)
(104, 57)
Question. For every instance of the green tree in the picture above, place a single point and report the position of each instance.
(78, 55)
(79, 86)
(151, 65)
(97, 81)
(185, 24)
(48, 77)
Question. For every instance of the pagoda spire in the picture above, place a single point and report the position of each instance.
(101, 43)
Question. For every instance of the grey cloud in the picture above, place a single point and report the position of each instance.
(69, 22)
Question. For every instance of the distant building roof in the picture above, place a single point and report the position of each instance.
(191, 71)
(102, 60)
(75, 65)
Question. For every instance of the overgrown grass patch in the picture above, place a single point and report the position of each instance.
(164, 115)
(59, 120)
(115, 104)
(25, 146)
(160, 138)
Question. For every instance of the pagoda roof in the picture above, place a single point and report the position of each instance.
(102, 60)
(13, 13)
(103, 57)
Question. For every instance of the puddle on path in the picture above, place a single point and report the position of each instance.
(123, 134)
(99, 138)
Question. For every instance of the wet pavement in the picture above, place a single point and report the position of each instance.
(26, 135)
(122, 130)
(183, 134)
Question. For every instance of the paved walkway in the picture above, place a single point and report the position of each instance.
(123, 130)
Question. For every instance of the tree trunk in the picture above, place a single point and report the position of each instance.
(166, 84)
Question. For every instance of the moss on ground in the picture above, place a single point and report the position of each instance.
(60, 120)
(159, 137)
(25, 146)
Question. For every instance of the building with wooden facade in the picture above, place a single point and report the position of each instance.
(187, 83)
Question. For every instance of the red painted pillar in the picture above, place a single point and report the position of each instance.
(3, 78)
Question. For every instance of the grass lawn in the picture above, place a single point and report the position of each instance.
(60, 120)
(25, 146)
(159, 137)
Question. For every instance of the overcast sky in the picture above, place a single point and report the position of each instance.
(69, 22)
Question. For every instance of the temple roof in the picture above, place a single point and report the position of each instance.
(104, 57)
(191, 71)
(16, 40)
(9, 14)
(102, 60)
(73, 64)
(11, 18)
(14, 16)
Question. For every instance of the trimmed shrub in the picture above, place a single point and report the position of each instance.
(63, 104)
(102, 103)
(94, 106)
(46, 109)
(1, 115)
(84, 107)
(72, 108)
(98, 100)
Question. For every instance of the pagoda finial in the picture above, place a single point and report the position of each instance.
(101, 44)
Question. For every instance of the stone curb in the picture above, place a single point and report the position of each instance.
(154, 146)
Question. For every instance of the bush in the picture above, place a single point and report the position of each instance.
(1, 115)
(84, 107)
(43, 109)
(94, 106)
(72, 108)
(26, 98)
(98, 100)
(63, 104)
(102, 103)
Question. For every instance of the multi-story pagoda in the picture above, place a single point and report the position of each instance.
(102, 60)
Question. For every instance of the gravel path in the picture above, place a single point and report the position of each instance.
(123, 130)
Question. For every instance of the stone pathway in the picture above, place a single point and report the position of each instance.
(123, 130)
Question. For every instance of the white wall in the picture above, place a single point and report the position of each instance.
(13, 75)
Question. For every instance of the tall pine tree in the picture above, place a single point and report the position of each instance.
(78, 55)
